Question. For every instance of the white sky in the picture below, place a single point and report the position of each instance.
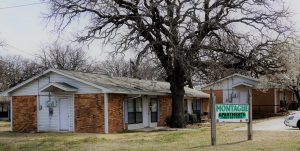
(25, 31)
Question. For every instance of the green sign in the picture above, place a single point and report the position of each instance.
(233, 113)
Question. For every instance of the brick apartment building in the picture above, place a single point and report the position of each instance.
(59, 100)
(234, 90)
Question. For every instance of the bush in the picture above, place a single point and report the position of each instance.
(168, 121)
(193, 118)
(188, 119)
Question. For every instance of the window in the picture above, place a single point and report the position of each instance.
(282, 96)
(153, 108)
(196, 105)
(294, 97)
(135, 115)
(4, 110)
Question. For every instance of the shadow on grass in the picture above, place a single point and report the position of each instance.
(232, 143)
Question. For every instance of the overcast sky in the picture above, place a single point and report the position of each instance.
(25, 31)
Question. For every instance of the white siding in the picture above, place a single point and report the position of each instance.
(189, 106)
(33, 87)
(46, 122)
(72, 114)
(240, 93)
(51, 123)
(146, 112)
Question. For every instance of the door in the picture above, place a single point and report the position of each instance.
(153, 110)
(64, 114)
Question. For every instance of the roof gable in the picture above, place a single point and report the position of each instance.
(218, 82)
(6, 93)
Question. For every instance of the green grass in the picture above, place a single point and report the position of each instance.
(196, 139)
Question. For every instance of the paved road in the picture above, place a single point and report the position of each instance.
(274, 124)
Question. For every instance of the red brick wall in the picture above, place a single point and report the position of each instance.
(165, 105)
(115, 113)
(218, 94)
(24, 113)
(89, 114)
(263, 101)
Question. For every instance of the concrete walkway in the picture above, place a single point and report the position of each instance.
(274, 124)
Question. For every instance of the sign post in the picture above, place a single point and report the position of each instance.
(250, 132)
(230, 113)
(213, 118)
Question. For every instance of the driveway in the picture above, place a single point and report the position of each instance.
(273, 124)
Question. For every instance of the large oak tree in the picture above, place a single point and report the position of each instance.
(185, 35)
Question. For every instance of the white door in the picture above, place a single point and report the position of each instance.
(64, 114)
(153, 110)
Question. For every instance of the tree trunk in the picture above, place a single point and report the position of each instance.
(176, 81)
(177, 120)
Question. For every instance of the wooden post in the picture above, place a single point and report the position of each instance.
(250, 132)
(212, 118)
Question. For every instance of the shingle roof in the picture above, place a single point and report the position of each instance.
(130, 85)
(115, 84)
(233, 75)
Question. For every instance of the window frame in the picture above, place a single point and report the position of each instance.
(156, 113)
(135, 112)
(195, 105)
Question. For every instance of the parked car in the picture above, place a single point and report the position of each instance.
(293, 120)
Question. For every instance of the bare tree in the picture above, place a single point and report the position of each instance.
(2, 43)
(65, 57)
(15, 69)
(145, 68)
(289, 79)
(219, 65)
(179, 32)
(115, 66)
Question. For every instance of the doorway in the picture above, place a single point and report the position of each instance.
(153, 109)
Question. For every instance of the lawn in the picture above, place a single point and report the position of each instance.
(195, 139)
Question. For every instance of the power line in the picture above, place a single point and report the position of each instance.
(20, 50)
(23, 5)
